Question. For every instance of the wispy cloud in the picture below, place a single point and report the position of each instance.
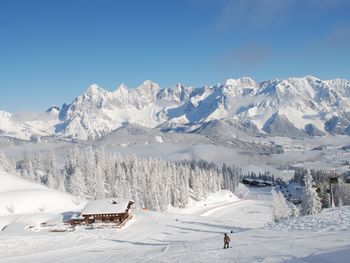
(339, 36)
(250, 13)
(258, 13)
(22, 116)
(246, 57)
(334, 39)
(325, 4)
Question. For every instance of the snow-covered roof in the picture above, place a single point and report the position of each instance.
(106, 206)
(248, 179)
(76, 216)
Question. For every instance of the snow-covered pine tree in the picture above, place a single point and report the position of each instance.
(183, 186)
(61, 183)
(52, 174)
(231, 177)
(26, 168)
(151, 199)
(174, 186)
(70, 165)
(195, 182)
(38, 168)
(164, 184)
(88, 169)
(77, 184)
(311, 203)
(110, 177)
(280, 208)
(140, 169)
(100, 173)
(131, 166)
(120, 185)
(5, 164)
(294, 210)
(99, 191)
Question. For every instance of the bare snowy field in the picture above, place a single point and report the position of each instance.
(192, 235)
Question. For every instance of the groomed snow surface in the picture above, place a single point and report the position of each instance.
(194, 234)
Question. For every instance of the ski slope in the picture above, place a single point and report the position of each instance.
(195, 236)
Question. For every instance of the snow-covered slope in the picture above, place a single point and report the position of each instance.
(194, 236)
(22, 201)
(10, 183)
(132, 134)
(290, 107)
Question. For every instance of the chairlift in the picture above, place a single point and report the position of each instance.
(347, 179)
(333, 180)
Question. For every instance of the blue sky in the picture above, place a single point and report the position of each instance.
(50, 51)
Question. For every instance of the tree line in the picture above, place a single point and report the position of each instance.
(154, 184)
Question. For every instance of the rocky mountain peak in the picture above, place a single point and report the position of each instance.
(290, 107)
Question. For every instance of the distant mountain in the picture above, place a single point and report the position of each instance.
(132, 134)
(290, 107)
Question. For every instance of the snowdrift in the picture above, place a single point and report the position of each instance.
(29, 203)
(36, 201)
(214, 199)
(221, 196)
(11, 183)
(329, 220)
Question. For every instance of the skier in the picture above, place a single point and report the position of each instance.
(226, 241)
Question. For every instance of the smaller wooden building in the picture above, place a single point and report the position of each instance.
(113, 210)
(76, 219)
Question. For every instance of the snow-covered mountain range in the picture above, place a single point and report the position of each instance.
(290, 107)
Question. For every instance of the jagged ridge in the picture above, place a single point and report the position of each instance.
(291, 107)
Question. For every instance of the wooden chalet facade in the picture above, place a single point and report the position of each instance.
(113, 210)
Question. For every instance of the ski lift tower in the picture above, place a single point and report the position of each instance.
(333, 179)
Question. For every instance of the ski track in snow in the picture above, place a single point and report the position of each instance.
(211, 210)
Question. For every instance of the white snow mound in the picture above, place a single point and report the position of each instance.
(11, 183)
(36, 201)
(21, 201)
(215, 199)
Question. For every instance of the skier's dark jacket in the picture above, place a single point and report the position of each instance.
(226, 239)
